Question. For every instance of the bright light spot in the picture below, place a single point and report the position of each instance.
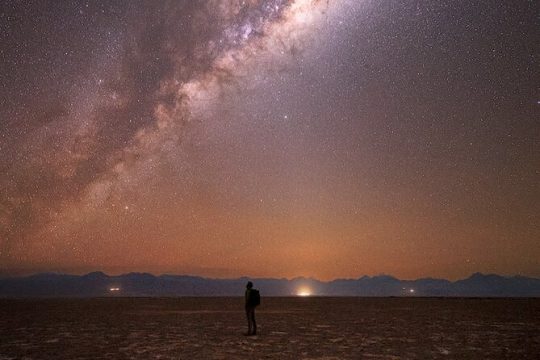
(304, 292)
(411, 291)
(113, 289)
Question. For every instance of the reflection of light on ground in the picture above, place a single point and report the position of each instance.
(304, 292)
(114, 289)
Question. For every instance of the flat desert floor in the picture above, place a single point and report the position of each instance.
(289, 328)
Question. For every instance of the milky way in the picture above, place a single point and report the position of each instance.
(269, 138)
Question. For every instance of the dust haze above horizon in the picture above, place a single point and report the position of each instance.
(326, 139)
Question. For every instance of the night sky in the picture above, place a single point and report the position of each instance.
(270, 138)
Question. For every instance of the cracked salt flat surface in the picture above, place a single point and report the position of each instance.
(289, 328)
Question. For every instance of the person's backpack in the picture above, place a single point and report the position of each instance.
(254, 297)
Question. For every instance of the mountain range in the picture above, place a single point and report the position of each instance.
(97, 284)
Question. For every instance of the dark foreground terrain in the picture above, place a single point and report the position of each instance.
(289, 328)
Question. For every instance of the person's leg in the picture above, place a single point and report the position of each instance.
(248, 315)
(254, 322)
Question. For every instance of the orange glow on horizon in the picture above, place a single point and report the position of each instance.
(304, 292)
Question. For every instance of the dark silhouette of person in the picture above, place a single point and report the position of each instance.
(250, 310)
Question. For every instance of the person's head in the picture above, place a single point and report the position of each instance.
(249, 285)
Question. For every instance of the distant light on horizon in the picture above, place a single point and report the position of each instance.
(411, 291)
(114, 289)
(304, 292)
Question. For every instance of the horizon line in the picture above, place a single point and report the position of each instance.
(265, 278)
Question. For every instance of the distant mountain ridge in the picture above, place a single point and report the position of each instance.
(143, 284)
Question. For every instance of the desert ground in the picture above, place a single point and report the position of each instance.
(289, 328)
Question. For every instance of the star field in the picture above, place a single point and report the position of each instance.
(270, 138)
